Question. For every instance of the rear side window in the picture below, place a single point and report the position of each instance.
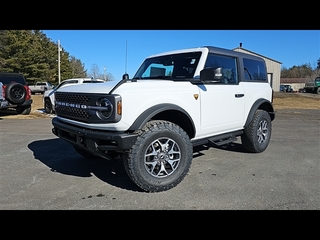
(9, 78)
(254, 70)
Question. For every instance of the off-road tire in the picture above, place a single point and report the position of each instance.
(257, 134)
(47, 106)
(318, 90)
(16, 93)
(160, 158)
(23, 110)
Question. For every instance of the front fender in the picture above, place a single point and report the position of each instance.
(153, 111)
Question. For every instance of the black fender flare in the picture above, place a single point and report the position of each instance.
(154, 110)
(260, 104)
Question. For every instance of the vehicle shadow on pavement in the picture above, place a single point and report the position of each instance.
(60, 157)
(232, 147)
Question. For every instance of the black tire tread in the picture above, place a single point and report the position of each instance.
(47, 106)
(144, 134)
(11, 98)
(248, 138)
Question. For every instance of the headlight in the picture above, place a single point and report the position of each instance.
(104, 108)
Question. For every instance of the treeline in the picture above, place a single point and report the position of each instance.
(32, 53)
(301, 71)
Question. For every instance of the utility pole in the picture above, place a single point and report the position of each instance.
(59, 49)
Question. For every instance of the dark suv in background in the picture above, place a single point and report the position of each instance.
(16, 92)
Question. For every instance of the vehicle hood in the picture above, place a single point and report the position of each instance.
(103, 87)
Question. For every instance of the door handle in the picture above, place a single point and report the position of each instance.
(238, 95)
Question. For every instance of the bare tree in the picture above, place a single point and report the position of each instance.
(95, 71)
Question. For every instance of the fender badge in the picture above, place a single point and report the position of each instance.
(196, 96)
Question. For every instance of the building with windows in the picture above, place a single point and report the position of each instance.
(273, 67)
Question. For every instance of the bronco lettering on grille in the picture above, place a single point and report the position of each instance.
(72, 105)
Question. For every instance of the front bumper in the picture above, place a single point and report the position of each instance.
(96, 141)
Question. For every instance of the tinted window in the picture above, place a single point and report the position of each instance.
(228, 67)
(9, 78)
(254, 70)
(176, 66)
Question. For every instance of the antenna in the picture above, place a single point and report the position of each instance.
(125, 70)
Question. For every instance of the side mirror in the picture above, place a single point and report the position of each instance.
(211, 74)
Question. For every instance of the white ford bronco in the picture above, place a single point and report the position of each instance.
(175, 101)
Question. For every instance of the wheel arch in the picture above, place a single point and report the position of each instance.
(46, 97)
(262, 104)
(169, 112)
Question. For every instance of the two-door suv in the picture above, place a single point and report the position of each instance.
(175, 101)
(16, 92)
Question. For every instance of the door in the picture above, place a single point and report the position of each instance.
(222, 102)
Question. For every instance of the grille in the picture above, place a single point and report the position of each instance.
(79, 114)
(78, 106)
(72, 98)
(74, 110)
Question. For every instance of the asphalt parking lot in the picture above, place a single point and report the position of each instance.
(41, 172)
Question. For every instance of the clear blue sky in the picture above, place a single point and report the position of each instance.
(118, 51)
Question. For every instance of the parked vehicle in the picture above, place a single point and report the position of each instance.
(175, 101)
(313, 86)
(3, 102)
(16, 92)
(40, 87)
(48, 96)
(286, 88)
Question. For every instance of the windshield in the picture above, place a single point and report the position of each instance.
(175, 66)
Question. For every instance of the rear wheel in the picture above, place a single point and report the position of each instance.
(160, 158)
(257, 134)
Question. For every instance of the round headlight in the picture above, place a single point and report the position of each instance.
(105, 108)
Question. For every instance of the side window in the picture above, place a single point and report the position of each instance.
(254, 70)
(228, 67)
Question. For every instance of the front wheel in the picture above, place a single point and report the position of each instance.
(160, 158)
(257, 134)
(47, 106)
